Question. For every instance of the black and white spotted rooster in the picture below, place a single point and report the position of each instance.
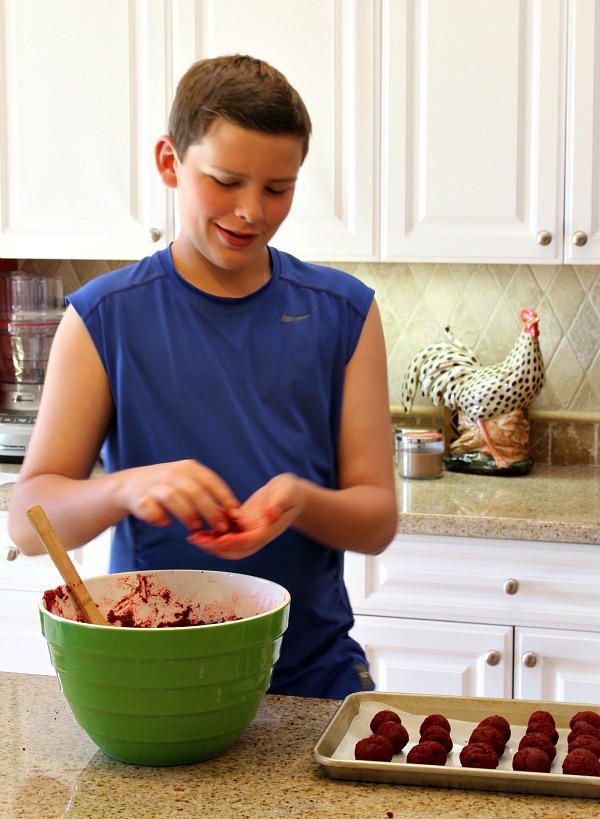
(450, 373)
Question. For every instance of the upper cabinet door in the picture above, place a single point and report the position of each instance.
(582, 187)
(327, 49)
(82, 101)
(473, 123)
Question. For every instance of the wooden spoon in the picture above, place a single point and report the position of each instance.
(64, 564)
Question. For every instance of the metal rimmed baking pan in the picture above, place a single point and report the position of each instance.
(462, 712)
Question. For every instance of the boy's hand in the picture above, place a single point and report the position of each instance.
(184, 490)
(266, 514)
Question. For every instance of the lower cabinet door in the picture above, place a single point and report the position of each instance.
(438, 658)
(558, 666)
(23, 648)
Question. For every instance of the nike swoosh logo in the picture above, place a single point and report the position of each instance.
(285, 318)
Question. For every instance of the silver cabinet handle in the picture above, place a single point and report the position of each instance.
(154, 234)
(580, 238)
(493, 657)
(530, 659)
(544, 237)
(11, 553)
(511, 586)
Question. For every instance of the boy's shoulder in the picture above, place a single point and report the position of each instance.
(319, 276)
(120, 279)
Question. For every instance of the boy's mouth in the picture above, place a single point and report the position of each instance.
(236, 239)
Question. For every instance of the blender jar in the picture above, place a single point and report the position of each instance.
(31, 307)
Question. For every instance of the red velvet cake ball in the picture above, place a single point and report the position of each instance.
(374, 748)
(427, 753)
(581, 727)
(543, 728)
(434, 719)
(542, 716)
(532, 760)
(541, 742)
(435, 733)
(581, 763)
(491, 736)
(498, 722)
(383, 716)
(478, 755)
(586, 741)
(586, 716)
(395, 732)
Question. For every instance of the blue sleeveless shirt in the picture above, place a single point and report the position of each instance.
(251, 387)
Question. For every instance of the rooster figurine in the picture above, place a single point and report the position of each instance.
(450, 373)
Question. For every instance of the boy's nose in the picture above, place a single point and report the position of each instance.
(249, 206)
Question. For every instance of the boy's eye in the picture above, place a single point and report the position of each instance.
(224, 184)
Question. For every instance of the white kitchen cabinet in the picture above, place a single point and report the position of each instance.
(437, 612)
(557, 665)
(22, 582)
(78, 122)
(473, 132)
(83, 97)
(428, 657)
(328, 50)
(582, 186)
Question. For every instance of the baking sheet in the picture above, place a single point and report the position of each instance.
(335, 748)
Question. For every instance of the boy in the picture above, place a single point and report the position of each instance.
(240, 395)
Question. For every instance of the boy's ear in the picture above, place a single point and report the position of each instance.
(166, 161)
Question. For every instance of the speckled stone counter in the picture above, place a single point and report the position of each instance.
(552, 503)
(49, 768)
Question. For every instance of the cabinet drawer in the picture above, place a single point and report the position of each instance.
(480, 580)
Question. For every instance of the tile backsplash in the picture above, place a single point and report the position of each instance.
(481, 304)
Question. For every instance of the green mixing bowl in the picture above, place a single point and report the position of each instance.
(159, 695)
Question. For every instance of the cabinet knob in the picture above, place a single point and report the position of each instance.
(154, 234)
(511, 586)
(544, 237)
(11, 553)
(493, 657)
(529, 659)
(580, 238)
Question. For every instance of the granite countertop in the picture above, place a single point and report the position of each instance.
(552, 503)
(50, 768)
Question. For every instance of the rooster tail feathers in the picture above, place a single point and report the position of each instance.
(459, 345)
(434, 367)
(412, 375)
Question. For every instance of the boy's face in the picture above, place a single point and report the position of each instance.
(234, 188)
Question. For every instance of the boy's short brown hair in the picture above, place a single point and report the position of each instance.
(244, 90)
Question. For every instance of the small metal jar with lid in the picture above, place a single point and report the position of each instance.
(420, 453)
